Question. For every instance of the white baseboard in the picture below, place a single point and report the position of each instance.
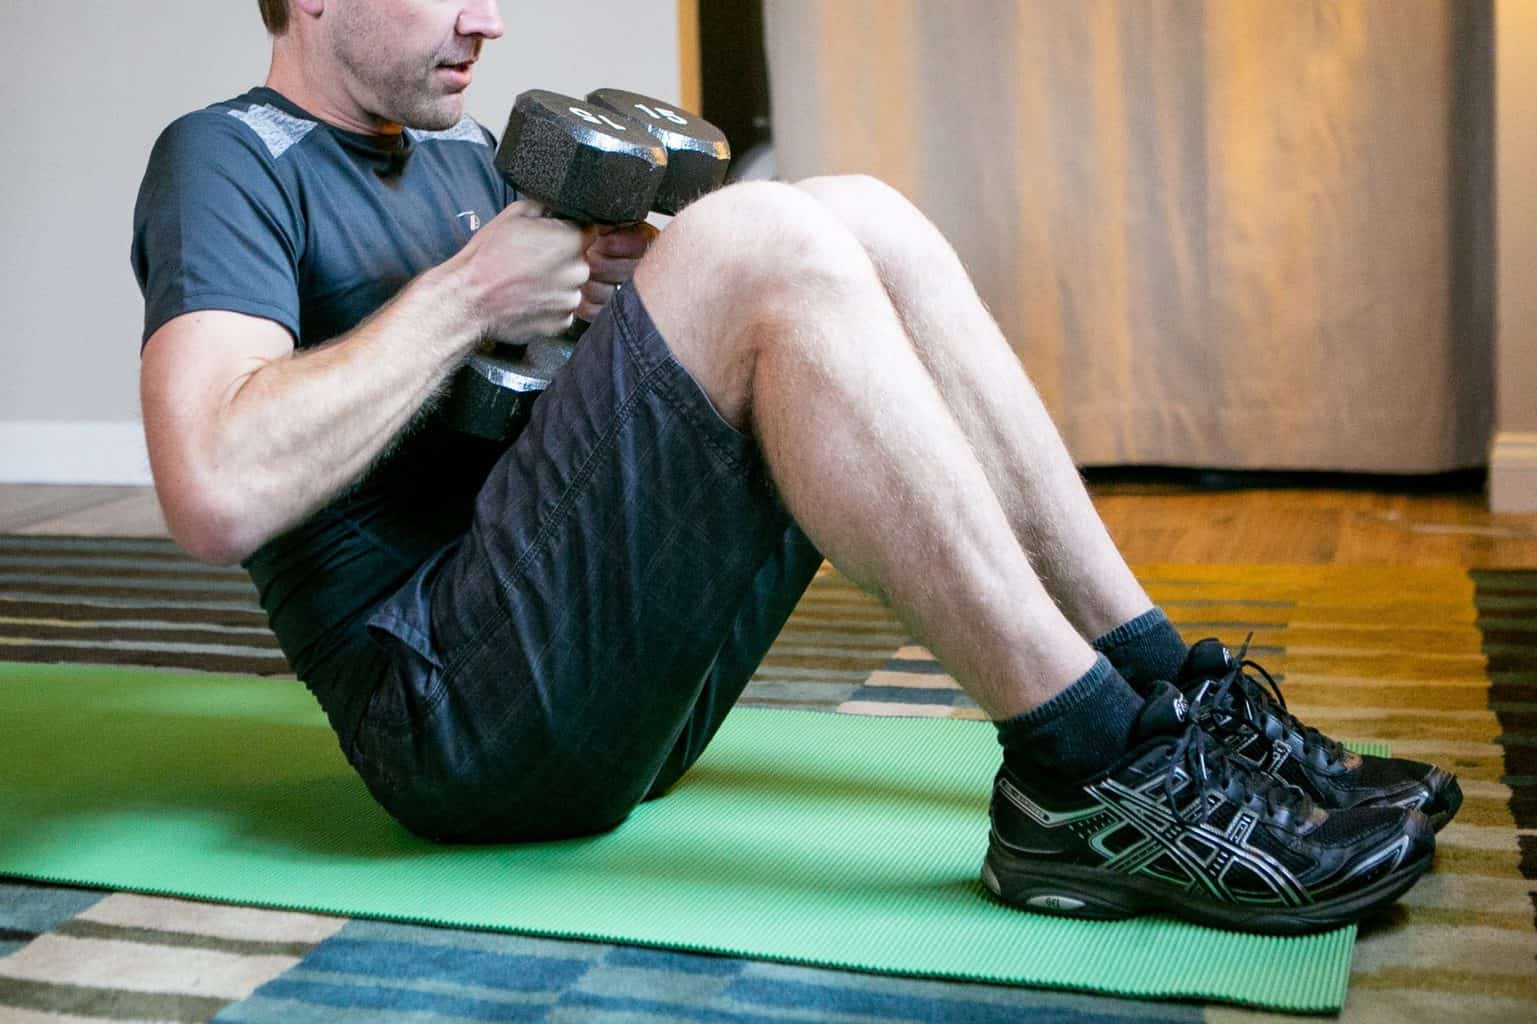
(73, 452)
(1513, 473)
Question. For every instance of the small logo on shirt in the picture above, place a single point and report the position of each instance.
(474, 219)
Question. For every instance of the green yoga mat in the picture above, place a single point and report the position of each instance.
(834, 840)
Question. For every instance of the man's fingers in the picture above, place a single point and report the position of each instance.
(621, 246)
(610, 271)
(596, 294)
(629, 242)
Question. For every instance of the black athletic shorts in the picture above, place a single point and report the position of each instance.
(628, 565)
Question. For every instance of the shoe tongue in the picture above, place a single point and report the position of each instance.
(1207, 659)
(1165, 712)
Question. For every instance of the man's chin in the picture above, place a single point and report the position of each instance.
(439, 115)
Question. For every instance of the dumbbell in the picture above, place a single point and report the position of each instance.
(597, 166)
(697, 151)
(698, 154)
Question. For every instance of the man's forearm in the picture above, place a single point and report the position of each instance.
(296, 431)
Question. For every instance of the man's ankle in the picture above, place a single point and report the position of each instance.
(1144, 649)
(1077, 733)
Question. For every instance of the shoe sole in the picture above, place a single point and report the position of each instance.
(1066, 890)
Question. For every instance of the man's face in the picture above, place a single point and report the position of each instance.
(408, 62)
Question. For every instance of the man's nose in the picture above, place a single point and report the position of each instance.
(480, 18)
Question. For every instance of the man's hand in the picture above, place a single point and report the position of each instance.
(521, 276)
(612, 258)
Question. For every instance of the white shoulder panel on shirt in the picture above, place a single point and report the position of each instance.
(277, 128)
(465, 131)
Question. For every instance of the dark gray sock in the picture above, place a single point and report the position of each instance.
(1146, 649)
(1075, 734)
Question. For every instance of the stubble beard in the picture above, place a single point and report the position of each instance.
(396, 89)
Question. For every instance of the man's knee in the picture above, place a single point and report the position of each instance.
(859, 193)
(756, 238)
(736, 271)
(879, 216)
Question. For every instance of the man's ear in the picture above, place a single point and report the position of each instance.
(314, 8)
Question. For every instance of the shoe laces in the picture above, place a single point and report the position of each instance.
(1212, 767)
(1256, 697)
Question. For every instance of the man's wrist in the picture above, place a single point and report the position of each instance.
(444, 292)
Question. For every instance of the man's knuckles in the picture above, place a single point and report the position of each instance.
(621, 246)
(610, 270)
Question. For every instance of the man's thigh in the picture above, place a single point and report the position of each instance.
(546, 665)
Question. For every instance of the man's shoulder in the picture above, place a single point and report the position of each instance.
(247, 123)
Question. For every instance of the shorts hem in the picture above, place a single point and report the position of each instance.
(672, 380)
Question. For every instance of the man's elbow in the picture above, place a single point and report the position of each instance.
(207, 528)
(213, 547)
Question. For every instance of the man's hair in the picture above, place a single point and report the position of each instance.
(274, 15)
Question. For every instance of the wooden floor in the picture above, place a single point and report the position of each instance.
(1153, 518)
(80, 509)
(1313, 525)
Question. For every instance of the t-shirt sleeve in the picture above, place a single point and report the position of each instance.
(214, 227)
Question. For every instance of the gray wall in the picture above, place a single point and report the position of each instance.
(88, 87)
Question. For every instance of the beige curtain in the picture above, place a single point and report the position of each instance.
(1236, 233)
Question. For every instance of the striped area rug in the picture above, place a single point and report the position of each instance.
(1441, 663)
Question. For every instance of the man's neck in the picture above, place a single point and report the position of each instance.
(327, 101)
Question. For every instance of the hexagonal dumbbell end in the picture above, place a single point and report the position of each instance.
(697, 151)
(584, 164)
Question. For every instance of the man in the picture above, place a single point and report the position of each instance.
(525, 643)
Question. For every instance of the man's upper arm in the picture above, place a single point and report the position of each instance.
(191, 368)
(216, 249)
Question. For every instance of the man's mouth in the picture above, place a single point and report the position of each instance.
(459, 73)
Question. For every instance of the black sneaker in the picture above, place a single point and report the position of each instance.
(1251, 720)
(1180, 826)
